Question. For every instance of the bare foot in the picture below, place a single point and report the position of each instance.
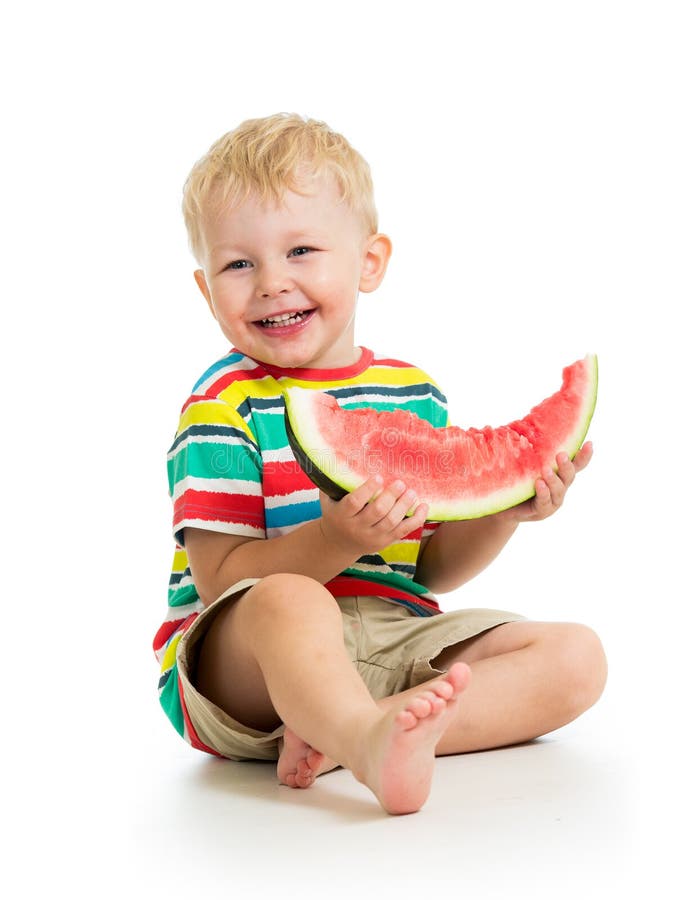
(299, 764)
(399, 753)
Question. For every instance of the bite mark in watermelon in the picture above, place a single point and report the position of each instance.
(461, 474)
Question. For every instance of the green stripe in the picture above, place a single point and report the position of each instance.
(170, 701)
(269, 429)
(182, 596)
(394, 579)
(213, 461)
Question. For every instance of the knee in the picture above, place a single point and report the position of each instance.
(582, 664)
(286, 595)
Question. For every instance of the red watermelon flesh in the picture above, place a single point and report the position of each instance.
(460, 473)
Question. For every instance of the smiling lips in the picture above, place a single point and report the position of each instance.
(286, 322)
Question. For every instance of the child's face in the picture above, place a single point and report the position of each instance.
(283, 281)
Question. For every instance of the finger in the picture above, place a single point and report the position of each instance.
(409, 515)
(412, 523)
(405, 503)
(381, 507)
(555, 485)
(356, 500)
(583, 457)
(542, 500)
(565, 469)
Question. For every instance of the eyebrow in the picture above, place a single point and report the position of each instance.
(292, 237)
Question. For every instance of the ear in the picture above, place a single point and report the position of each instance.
(377, 253)
(201, 280)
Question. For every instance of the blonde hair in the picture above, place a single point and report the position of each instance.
(270, 156)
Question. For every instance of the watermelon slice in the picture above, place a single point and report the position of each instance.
(461, 474)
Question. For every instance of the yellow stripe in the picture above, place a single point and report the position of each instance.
(169, 659)
(260, 388)
(406, 552)
(266, 387)
(180, 562)
(212, 412)
(375, 374)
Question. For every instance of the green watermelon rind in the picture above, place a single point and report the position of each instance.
(315, 462)
(308, 461)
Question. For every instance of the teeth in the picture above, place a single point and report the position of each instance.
(281, 318)
(284, 319)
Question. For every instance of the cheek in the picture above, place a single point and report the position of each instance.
(228, 305)
(338, 285)
(338, 300)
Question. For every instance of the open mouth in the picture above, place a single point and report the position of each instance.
(286, 319)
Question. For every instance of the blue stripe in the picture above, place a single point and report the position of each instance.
(373, 559)
(412, 390)
(222, 363)
(265, 404)
(245, 413)
(376, 561)
(293, 514)
(404, 568)
(420, 611)
(213, 431)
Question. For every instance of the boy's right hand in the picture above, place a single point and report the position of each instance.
(371, 517)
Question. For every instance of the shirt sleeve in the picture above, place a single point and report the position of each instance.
(215, 470)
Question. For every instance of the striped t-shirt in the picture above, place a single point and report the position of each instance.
(231, 470)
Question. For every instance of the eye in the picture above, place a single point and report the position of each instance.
(301, 251)
(238, 264)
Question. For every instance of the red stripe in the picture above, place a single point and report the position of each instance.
(347, 586)
(393, 363)
(332, 375)
(284, 478)
(194, 740)
(223, 383)
(210, 506)
(194, 398)
(164, 632)
(168, 629)
(239, 375)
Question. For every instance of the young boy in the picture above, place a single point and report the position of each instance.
(300, 628)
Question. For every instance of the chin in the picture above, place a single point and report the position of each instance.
(285, 359)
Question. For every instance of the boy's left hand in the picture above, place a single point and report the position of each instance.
(551, 488)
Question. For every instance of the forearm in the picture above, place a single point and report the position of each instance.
(304, 551)
(364, 521)
(458, 551)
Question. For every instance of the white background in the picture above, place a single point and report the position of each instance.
(524, 161)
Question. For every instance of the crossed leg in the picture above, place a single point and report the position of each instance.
(528, 679)
(277, 655)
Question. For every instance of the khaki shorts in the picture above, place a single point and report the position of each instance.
(390, 646)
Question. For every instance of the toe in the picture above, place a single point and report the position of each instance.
(406, 719)
(459, 676)
(439, 705)
(443, 689)
(421, 705)
(435, 701)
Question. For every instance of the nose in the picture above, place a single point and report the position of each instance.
(272, 281)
